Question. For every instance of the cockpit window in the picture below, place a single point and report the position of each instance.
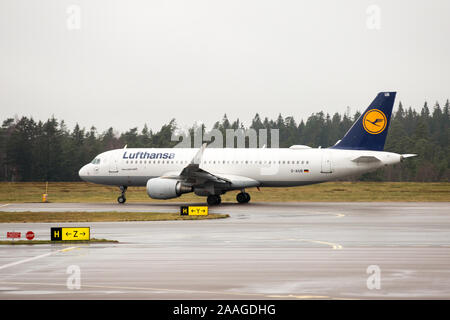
(96, 161)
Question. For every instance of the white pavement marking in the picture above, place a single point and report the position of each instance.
(35, 258)
(335, 246)
(4, 205)
(166, 290)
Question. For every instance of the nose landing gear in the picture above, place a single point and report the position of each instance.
(121, 199)
(243, 197)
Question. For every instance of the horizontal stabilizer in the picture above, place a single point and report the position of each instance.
(404, 156)
(366, 159)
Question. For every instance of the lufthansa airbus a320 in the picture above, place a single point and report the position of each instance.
(211, 172)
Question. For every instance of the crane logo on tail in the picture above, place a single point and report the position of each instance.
(374, 121)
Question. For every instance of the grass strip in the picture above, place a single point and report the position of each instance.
(325, 192)
(113, 216)
(30, 242)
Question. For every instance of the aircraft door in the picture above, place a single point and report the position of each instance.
(326, 162)
(113, 164)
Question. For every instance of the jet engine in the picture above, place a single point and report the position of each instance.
(162, 188)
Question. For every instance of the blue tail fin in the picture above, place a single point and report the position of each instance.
(370, 130)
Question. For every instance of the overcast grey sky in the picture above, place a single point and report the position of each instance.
(133, 62)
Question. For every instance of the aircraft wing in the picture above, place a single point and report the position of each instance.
(239, 182)
(195, 176)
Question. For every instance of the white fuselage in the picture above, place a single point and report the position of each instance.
(269, 167)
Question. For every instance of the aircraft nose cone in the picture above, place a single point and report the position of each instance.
(83, 172)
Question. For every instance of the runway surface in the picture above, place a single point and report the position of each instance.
(263, 251)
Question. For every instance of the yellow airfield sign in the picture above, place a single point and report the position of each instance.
(70, 234)
(194, 211)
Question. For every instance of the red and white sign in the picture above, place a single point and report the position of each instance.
(13, 235)
(30, 235)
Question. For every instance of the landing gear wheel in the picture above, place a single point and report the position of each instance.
(121, 199)
(213, 200)
(243, 197)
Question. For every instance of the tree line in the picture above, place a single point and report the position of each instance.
(48, 151)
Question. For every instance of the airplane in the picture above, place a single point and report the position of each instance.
(170, 172)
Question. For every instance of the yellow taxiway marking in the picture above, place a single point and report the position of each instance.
(35, 258)
(4, 205)
(335, 246)
(337, 215)
(325, 213)
(187, 291)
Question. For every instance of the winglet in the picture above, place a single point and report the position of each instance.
(198, 157)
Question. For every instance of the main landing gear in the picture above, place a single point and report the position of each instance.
(121, 199)
(213, 200)
(243, 197)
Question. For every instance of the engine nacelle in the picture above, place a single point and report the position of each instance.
(161, 188)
